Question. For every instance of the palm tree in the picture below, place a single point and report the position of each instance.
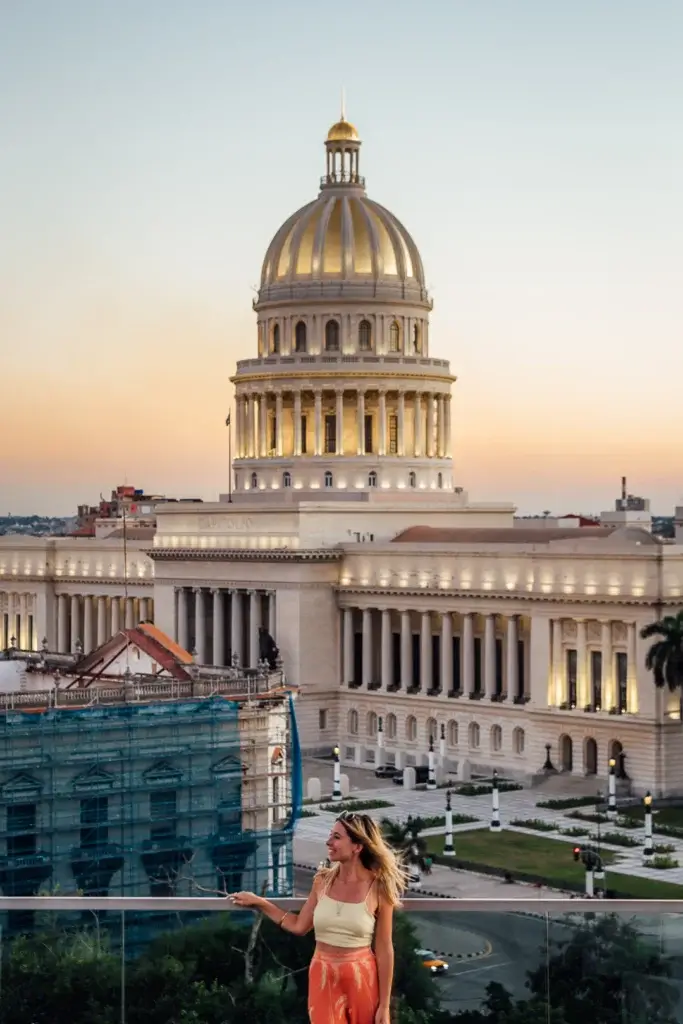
(665, 657)
(405, 838)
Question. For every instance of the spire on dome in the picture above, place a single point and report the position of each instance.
(342, 145)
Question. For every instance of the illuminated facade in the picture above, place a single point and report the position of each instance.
(390, 594)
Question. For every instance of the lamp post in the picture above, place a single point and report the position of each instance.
(612, 792)
(448, 847)
(648, 852)
(431, 776)
(442, 745)
(599, 873)
(495, 805)
(336, 788)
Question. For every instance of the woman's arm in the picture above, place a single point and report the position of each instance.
(384, 953)
(289, 921)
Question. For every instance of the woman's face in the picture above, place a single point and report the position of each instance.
(340, 845)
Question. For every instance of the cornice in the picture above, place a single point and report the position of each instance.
(109, 581)
(241, 555)
(510, 596)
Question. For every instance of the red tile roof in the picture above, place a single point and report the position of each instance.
(148, 639)
(497, 535)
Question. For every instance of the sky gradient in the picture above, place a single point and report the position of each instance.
(151, 150)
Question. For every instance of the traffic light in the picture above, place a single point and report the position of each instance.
(577, 853)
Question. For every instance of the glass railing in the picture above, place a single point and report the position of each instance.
(70, 960)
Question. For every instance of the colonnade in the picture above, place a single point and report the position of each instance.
(222, 624)
(18, 626)
(291, 421)
(425, 653)
(89, 620)
(596, 671)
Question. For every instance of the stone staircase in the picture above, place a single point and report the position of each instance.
(567, 785)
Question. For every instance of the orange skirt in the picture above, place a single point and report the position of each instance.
(343, 987)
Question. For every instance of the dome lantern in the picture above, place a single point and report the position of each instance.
(343, 148)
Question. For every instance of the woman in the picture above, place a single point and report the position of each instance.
(350, 908)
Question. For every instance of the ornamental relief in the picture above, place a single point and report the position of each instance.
(594, 632)
(569, 630)
(619, 632)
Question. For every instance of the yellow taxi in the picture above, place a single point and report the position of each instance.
(431, 962)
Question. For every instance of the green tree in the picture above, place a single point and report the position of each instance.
(665, 657)
(405, 838)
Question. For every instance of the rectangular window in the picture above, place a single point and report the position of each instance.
(596, 679)
(622, 680)
(393, 435)
(368, 435)
(94, 816)
(330, 435)
(322, 719)
(303, 435)
(273, 433)
(163, 809)
(21, 818)
(571, 677)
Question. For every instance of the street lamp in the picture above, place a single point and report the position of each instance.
(612, 792)
(336, 788)
(648, 852)
(448, 848)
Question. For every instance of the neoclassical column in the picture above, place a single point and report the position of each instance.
(272, 614)
(489, 656)
(115, 615)
(129, 612)
(249, 426)
(263, 425)
(102, 634)
(297, 422)
(511, 652)
(400, 423)
(340, 421)
(367, 647)
(88, 624)
(239, 430)
(199, 626)
(406, 650)
(431, 425)
(558, 667)
(382, 422)
(467, 643)
(607, 673)
(254, 623)
(278, 424)
(62, 625)
(218, 627)
(631, 669)
(348, 646)
(440, 440)
(418, 440)
(75, 621)
(447, 425)
(183, 619)
(318, 405)
(426, 671)
(360, 414)
(387, 678)
(236, 625)
(581, 694)
(446, 653)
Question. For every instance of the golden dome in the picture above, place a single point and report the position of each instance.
(342, 131)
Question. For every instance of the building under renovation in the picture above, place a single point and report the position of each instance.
(133, 771)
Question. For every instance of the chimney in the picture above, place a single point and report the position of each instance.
(623, 488)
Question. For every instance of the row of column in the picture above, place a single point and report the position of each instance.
(431, 417)
(512, 685)
(87, 621)
(584, 696)
(222, 624)
(17, 622)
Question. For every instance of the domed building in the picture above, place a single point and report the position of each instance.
(343, 394)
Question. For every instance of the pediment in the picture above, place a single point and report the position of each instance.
(94, 779)
(228, 766)
(162, 773)
(21, 786)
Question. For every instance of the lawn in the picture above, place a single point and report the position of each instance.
(662, 815)
(549, 859)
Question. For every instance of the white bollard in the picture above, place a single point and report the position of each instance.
(648, 850)
(448, 847)
(495, 805)
(336, 787)
(379, 762)
(612, 791)
(431, 777)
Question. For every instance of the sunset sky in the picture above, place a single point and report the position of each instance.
(149, 149)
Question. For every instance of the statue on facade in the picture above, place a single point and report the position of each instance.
(268, 649)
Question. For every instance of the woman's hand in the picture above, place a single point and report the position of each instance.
(382, 1015)
(245, 899)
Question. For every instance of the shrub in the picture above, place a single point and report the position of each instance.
(664, 848)
(536, 823)
(629, 823)
(668, 830)
(664, 862)
(572, 801)
(308, 814)
(439, 820)
(355, 805)
(616, 839)
(575, 830)
(596, 819)
(470, 789)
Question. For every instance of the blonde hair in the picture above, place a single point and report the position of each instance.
(376, 855)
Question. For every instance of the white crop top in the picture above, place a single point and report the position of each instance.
(348, 925)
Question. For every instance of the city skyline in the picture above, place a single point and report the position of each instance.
(534, 156)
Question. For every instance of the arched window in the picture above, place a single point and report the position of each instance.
(452, 733)
(432, 730)
(328, 479)
(353, 722)
(411, 727)
(439, 480)
(372, 723)
(412, 479)
(475, 736)
(417, 340)
(496, 738)
(394, 337)
(275, 346)
(372, 478)
(300, 337)
(331, 336)
(390, 726)
(518, 741)
(364, 336)
(286, 479)
(254, 481)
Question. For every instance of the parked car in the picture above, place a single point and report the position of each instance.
(431, 962)
(386, 771)
(421, 775)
